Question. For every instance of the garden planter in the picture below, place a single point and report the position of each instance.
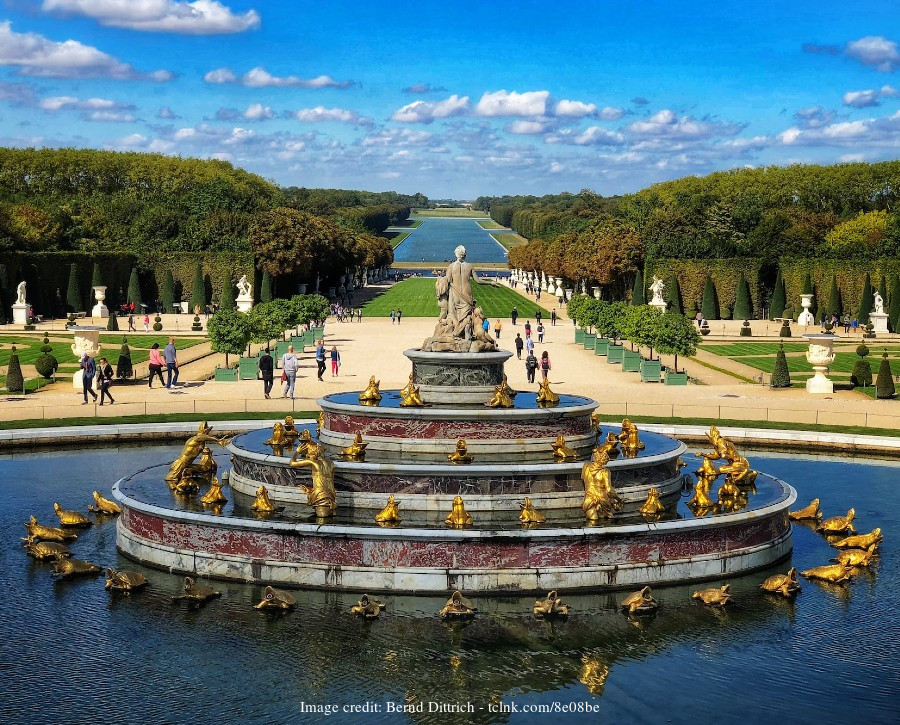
(672, 378)
(631, 361)
(650, 371)
(614, 354)
(589, 340)
(601, 345)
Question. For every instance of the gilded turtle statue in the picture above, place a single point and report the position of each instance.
(834, 573)
(551, 606)
(44, 550)
(68, 568)
(641, 602)
(368, 607)
(838, 524)
(196, 593)
(39, 532)
(786, 585)
(125, 581)
(276, 600)
(104, 506)
(856, 557)
(808, 513)
(714, 597)
(75, 519)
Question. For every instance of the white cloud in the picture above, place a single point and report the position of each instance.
(424, 88)
(667, 124)
(870, 97)
(36, 55)
(427, 111)
(593, 136)
(109, 117)
(397, 137)
(60, 103)
(610, 113)
(528, 127)
(875, 51)
(501, 103)
(167, 114)
(575, 109)
(320, 114)
(258, 112)
(200, 17)
(259, 77)
(880, 132)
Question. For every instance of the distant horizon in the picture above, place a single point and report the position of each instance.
(496, 99)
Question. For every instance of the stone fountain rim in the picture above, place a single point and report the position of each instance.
(436, 412)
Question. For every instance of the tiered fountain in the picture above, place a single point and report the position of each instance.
(533, 505)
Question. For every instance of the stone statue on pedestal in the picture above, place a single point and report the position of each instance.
(879, 303)
(20, 308)
(657, 289)
(245, 295)
(20, 294)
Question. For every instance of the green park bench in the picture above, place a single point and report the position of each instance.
(601, 346)
(631, 361)
(614, 354)
(225, 375)
(651, 371)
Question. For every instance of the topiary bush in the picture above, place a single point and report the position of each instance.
(112, 325)
(743, 305)
(134, 289)
(15, 382)
(745, 329)
(834, 298)
(884, 383)
(704, 328)
(785, 330)
(74, 300)
(781, 376)
(265, 291)
(197, 327)
(710, 304)
(779, 298)
(672, 295)
(157, 323)
(638, 296)
(862, 371)
(869, 333)
(45, 364)
(124, 368)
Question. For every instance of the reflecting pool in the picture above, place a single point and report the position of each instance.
(70, 652)
(437, 237)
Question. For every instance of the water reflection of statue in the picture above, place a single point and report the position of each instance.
(657, 289)
(243, 286)
(20, 294)
(879, 303)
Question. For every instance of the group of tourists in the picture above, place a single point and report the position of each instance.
(346, 314)
(99, 372)
(290, 365)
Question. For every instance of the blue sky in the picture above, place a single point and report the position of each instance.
(457, 99)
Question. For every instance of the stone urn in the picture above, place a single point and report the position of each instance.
(100, 309)
(596, 291)
(558, 290)
(820, 355)
(87, 341)
(806, 317)
(301, 289)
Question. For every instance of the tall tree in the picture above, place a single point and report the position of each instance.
(672, 295)
(779, 298)
(638, 297)
(867, 301)
(265, 292)
(835, 305)
(226, 300)
(198, 290)
(710, 304)
(168, 292)
(743, 304)
(134, 289)
(229, 332)
(74, 299)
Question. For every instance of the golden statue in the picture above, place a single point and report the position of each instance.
(546, 396)
(459, 607)
(303, 445)
(279, 440)
(39, 532)
(410, 388)
(104, 506)
(641, 602)
(321, 495)
(192, 448)
(214, 496)
(562, 452)
(629, 439)
(66, 568)
(838, 524)
(611, 445)
(356, 451)
(125, 581)
(652, 507)
(320, 423)
(850, 557)
(501, 398)
(600, 498)
(706, 476)
(368, 607)
(43, 550)
(834, 573)
(737, 467)
(595, 423)
(74, 519)
(390, 514)
(784, 584)
(188, 485)
(714, 597)
(371, 394)
(458, 516)
(810, 513)
(861, 541)
(551, 606)
(276, 600)
(206, 466)
(728, 491)
(530, 515)
(410, 397)
(262, 504)
(196, 593)
(290, 430)
(461, 454)
(593, 674)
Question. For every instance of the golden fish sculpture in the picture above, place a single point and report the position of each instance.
(546, 396)
(808, 513)
(69, 568)
(562, 452)
(39, 532)
(125, 581)
(838, 524)
(356, 451)
(458, 516)
(214, 496)
(714, 597)
(458, 607)
(44, 550)
(196, 593)
(529, 514)
(641, 602)
(860, 541)
(833, 573)
(461, 454)
(104, 506)
(371, 394)
(786, 585)
(550, 607)
(854, 557)
(276, 600)
(652, 507)
(75, 519)
(390, 514)
(263, 504)
(368, 607)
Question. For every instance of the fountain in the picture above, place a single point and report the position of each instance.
(442, 486)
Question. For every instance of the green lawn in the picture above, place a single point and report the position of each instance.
(30, 385)
(397, 237)
(738, 349)
(28, 348)
(489, 224)
(508, 240)
(416, 298)
(843, 363)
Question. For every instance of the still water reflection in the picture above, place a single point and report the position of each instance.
(70, 652)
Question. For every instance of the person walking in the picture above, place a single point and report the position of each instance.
(537, 316)
(545, 364)
(846, 324)
(335, 361)
(156, 365)
(531, 365)
(519, 345)
(529, 345)
(267, 371)
(528, 328)
(104, 380)
(540, 331)
(146, 323)
(393, 317)
(514, 315)
(289, 372)
(171, 357)
(320, 359)
(399, 315)
(553, 317)
(88, 372)
(359, 314)
(497, 327)
(131, 327)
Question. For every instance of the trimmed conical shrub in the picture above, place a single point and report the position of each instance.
(112, 325)
(835, 304)
(743, 304)
(168, 293)
(46, 364)
(74, 300)
(867, 301)
(265, 291)
(637, 293)
(226, 301)
(862, 371)
(884, 383)
(198, 290)
(14, 380)
(779, 298)
(710, 305)
(781, 376)
(134, 289)
(124, 368)
(894, 308)
(672, 295)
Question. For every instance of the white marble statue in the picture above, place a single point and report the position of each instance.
(879, 303)
(657, 289)
(243, 287)
(20, 294)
